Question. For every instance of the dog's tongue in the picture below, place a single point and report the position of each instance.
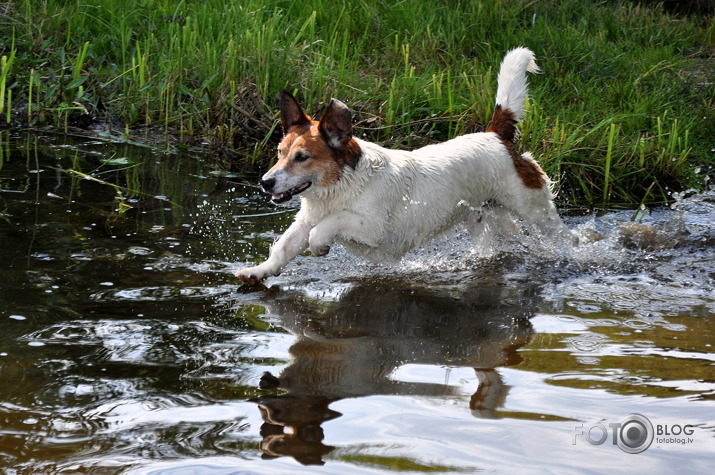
(281, 197)
(286, 195)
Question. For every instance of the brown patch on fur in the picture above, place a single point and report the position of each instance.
(528, 170)
(323, 160)
(351, 154)
(503, 124)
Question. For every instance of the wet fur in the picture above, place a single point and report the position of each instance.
(381, 203)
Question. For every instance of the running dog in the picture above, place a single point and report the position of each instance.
(381, 203)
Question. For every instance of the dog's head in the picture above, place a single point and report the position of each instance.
(312, 154)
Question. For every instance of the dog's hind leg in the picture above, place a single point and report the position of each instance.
(536, 207)
(492, 221)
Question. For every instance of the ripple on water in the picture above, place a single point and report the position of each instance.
(162, 293)
(640, 295)
(586, 342)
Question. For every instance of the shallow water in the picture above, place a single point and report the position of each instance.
(128, 346)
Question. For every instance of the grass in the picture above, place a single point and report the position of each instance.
(623, 113)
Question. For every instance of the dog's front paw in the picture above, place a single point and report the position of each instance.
(253, 275)
(249, 277)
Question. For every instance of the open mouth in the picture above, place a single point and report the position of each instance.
(286, 195)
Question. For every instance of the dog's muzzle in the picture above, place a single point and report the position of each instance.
(269, 184)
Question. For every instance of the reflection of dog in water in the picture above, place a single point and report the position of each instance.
(303, 416)
(370, 333)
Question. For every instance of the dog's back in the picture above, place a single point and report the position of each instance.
(419, 194)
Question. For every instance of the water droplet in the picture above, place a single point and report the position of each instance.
(17, 317)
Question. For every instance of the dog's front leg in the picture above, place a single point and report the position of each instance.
(345, 224)
(293, 242)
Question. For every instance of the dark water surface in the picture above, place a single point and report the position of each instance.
(128, 346)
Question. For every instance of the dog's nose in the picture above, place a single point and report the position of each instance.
(268, 184)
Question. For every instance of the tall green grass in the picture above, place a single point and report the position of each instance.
(622, 113)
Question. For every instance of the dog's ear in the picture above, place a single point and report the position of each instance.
(336, 124)
(291, 112)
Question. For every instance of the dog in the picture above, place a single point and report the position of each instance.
(381, 203)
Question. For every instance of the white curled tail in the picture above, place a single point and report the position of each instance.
(512, 88)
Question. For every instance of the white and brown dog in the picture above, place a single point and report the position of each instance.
(382, 203)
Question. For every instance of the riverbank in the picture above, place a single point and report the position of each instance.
(622, 113)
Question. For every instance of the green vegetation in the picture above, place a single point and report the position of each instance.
(623, 113)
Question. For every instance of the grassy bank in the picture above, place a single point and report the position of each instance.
(622, 114)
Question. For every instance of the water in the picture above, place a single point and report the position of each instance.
(128, 346)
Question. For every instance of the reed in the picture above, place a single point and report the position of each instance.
(5, 68)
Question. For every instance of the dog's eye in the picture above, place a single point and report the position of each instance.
(301, 157)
